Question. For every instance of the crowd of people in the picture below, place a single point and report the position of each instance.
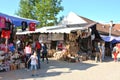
(31, 53)
(100, 51)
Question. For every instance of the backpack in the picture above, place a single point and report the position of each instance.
(44, 48)
(38, 45)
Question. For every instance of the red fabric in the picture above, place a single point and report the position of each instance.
(2, 22)
(60, 46)
(38, 45)
(32, 26)
(118, 45)
(5, 34)
(115, 56)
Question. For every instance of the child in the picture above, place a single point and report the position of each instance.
(34, 62)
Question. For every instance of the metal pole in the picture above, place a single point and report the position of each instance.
(110, 31)
(110, 28)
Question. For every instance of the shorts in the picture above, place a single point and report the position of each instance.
(33, 67)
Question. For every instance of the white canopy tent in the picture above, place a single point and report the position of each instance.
(53, 29)
(39, 30)
(69, 23)
(72, 18)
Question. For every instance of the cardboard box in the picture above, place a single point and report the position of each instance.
(22, 65)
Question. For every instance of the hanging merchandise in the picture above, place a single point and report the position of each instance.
(79, 32)
(32, 26)
(5, 34)
(92, 36)
(72, 37)
(2, 22)
(7, 24)
(11, 27)
(24, 25)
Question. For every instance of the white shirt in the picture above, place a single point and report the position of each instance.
(33, 60)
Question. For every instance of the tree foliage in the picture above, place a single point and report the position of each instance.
(45, 11)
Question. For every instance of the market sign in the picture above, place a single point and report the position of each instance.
(55, 37)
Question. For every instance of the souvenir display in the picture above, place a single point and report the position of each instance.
(32, 26)
(2, 22)
(24, 25)
(5, 34)
(7, 24)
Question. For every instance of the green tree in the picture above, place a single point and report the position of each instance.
(45, 11)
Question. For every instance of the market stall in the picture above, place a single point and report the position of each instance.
(10, 58)
(72, 31)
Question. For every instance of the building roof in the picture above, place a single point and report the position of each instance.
(105, 29)
(72, 18)
(116, 27)
(87, 20)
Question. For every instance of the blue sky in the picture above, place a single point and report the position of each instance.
(98, 10)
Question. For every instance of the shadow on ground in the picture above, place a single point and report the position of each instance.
(54, 68)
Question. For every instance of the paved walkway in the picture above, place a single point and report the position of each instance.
(59, 70)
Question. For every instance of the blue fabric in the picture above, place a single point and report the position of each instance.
(12, 48)
(33, 67)
(112, 39)
(115, 41)
(18, 20)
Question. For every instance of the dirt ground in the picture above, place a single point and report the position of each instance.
(60, 70)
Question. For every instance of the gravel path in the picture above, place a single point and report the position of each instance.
(59, 70)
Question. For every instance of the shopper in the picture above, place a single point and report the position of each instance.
(27, 51)
(98, 52)
(44, 52)
(34, 62)
(103, 50)
(38, 49)
(115, 52)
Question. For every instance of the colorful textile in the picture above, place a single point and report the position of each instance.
(5, 34)
(2, 22)
(32, 26)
